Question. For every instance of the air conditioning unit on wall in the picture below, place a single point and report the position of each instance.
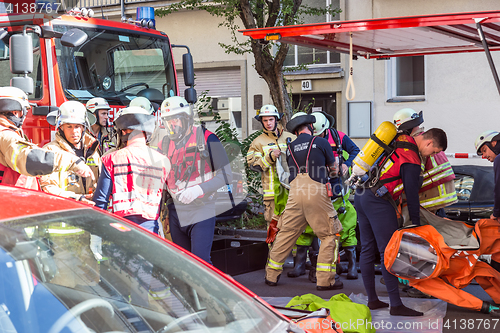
(229, 109)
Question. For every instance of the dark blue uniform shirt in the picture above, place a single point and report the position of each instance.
(320, 157)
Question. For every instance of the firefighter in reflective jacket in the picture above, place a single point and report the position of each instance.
(20, 160)
(377, 204)
(71, 137)
(98, 114)
(345, 151)
(262, 156)
(438, 187)
(133, 176)
(311, 162)
(200, 167)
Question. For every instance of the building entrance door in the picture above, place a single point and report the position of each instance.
(316, 102)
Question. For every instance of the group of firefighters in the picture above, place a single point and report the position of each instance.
(139, 168)
(117, 170)
(416, 173)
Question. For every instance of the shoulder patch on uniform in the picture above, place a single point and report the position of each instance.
(403, 138)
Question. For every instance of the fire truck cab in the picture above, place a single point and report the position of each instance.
(55, 58)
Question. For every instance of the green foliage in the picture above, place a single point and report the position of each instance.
(229, 138)
(262, 14)
(247, 221)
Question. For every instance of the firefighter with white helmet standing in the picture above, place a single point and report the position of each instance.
(98, 109)
(488, 147)
(20, 160)
(262, 156)
(133, 176)
(71, 137)
(200, 167)
(311, 163)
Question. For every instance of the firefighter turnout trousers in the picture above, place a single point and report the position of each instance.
(308, 203)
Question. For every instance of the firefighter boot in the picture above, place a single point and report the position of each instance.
(314, 260)
(352, 271)
(299, 262)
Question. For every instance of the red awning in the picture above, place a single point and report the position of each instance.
(394, 37)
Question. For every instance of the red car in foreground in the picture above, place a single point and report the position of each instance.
(67, 267)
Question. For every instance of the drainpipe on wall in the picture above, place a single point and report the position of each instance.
(122, 5)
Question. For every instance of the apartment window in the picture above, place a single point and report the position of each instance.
(299, 55)
(406, 77)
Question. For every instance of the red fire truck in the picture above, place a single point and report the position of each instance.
(56, 57)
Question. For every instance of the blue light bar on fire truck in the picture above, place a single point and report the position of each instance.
(145, 18)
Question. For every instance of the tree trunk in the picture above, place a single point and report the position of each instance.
(271, 71)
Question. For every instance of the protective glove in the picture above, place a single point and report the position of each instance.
(188, 195)
(82, 169)
(494, 309)
(96, 246)
(272, 231)
(404, 281)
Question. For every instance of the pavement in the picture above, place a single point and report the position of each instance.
(456, 319)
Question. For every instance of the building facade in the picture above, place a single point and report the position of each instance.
(456, 92)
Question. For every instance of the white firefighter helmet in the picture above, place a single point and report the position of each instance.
(71, 112)
(94, 104)
(176, 107)
(14, 94)
(136, 118)
(298, 119)
(323, 121)
(14, 99)
(144, 103)
(268, 110)
(407, 118)
(485, 138)
(97, 103)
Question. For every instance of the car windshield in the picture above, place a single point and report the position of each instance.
(64, 271)
(116, 65)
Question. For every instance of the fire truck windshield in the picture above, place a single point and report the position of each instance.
(116, 65)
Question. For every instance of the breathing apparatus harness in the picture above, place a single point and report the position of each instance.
(201, 149)
(377, 185)
(336, 138)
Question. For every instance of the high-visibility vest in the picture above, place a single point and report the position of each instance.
(438, 188)
(138, 174)
(188, 166)
(332, 142)
(390, 175)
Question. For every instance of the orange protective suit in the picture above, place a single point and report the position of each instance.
(441, 258)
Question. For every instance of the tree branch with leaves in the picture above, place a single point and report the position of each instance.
(251, 14)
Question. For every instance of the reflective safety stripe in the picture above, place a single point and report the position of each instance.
(269, 191)
(294, 250)
(158, 295)
(325, 267)
(275, 265)
(443, 198)
(428, 179)
(16, 151)
(91, 162)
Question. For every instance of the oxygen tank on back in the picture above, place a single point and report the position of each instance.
(371, 151)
